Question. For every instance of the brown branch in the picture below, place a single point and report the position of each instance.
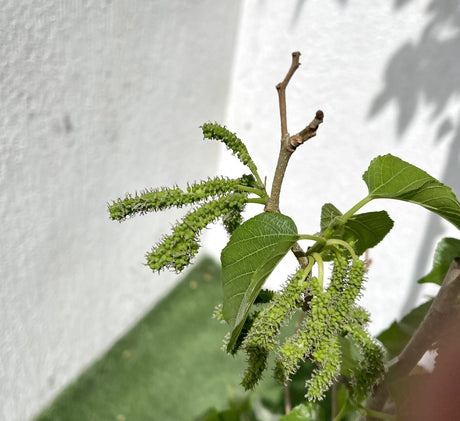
(288, 146)
(443, 308)
(308, 132)
(439, 314)
(283, 159)
(281, 88)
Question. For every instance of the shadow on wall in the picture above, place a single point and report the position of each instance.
(299, 6)
(427, 71)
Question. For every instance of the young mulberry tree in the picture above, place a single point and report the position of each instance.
(330, 327)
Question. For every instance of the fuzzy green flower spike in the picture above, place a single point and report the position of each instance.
(331, 313)
(176, 250)
(266, 327)
(159, 199)
(234, 144)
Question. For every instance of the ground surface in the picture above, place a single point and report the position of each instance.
(169, 367)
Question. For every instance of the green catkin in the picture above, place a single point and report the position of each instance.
(159, 199)
(312, 332)
(264, 296)
(233, 218)
(289, 357)
(354, 284)
(338, 275)
(371, 367)
(359, 315)
(176, 250)
(233, 143)
(266, 327)
(218, 313)
(330, 311)
(345, 288)
(328, 357)
(256, 365)
(352, 319)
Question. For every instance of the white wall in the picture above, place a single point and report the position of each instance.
(386, 75)
(98, 98)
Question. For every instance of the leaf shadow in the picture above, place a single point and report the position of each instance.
(299, 8)
(427, 71)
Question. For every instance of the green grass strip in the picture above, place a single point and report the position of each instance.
(170, 366)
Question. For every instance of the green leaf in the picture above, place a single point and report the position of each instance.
(395, 338)
(329, 216)
(364, 230)
(446, 251)
(351, 356)
(305, 412)
(392, 178)
(254, 250)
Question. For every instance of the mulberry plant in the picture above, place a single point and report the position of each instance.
(331, 328)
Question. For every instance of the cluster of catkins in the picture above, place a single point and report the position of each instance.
(217, 198)
(329, 315)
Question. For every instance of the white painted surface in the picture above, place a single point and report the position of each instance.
(97, 99)
(96, 96)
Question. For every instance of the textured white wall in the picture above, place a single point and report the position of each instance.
(98, 98)
(386, 75)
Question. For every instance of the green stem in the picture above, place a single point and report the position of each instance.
(342, 243)
(320, 240)
(320, 263)
(257, 200)
(308, 268)
(356, 207)
(376, 414)
(258, 192)
(341, 412)
(318, 246)
(253, 169)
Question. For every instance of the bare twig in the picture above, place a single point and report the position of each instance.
(287, 148)
(443, 308)
(288, 144)
(281, 88)
(308, 132)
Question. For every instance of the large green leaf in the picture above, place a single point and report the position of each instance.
(254, 250)
(363, 230)
(446, 251)
(392, 178)
(366, 230)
